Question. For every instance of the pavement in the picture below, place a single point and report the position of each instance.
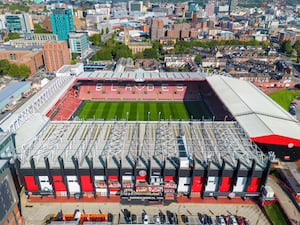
(35, 213)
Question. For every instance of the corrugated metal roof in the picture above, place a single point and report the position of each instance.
(258, 114)
(11, 88)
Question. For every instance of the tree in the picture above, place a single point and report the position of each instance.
(139, 55)
(103, 54)
(107, 30)
(198, 59)
(150, 53)
(12, 36)
(39, 30)
(4, 66)
(96, 39)
(74, 56)
(24, 70)
(296, 46)
(121, 51)
(286, 46)
(102, 31)
(13, 70)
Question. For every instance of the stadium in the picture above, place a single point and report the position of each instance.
(149, 137)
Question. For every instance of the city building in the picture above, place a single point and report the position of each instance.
(9, 210)
(31, 56)
(135, 46)
(62, 22)
(79, 43)
(56, 54)
(232, 5)
(33, 40)
(7, 143)
(135, 6)
(21, 23)
(8, 97)
(157, 29)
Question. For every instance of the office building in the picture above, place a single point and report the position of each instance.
(21, 23)
(79, 43)
(157, 29)
(135, 6)
(62, 22)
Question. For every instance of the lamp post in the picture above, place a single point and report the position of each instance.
(159, 113)
(127, 115)
(148, 116)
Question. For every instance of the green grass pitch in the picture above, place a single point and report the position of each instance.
(138, 111)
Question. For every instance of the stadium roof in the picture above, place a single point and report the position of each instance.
(140, 76)
(112, 141)
(262, 118)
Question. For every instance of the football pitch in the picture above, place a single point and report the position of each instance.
(143, 111)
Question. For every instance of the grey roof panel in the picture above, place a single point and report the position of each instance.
(258, 114)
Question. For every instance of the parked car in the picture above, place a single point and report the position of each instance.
(162, 217)
(146, 219)
(156, 219)
(184, 218)
(221, 220)
(232, 220)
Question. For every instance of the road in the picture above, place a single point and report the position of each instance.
(289, 208)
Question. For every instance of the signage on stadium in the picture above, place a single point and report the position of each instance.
(138, 87)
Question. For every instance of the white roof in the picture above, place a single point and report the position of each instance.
(257, 113)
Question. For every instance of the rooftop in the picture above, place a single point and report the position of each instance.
(143, 75)
(112, 141)
(11, 88)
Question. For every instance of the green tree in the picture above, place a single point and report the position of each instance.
(13, 70)
(73, 62)
(107, 30)
(74, 56)
(39, 30)
(139, 55)
(103, 54)
(102, 31)
(150, 53)
(121, 51)
(286, 46)
(18, 7)
(12, 36)
(24, 70)
(198, 59)
(4, 66)
(296, 46)
(96, 39)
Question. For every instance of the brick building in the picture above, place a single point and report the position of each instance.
(28, 56)
(56, 54)
(157, 29)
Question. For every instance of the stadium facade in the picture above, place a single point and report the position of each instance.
(145, 162)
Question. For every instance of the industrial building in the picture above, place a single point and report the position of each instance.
(11, 93)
